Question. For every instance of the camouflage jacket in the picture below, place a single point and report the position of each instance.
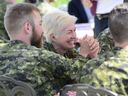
(86, 70)
(113, 74)
(105, 41)
(69, 54)
(40, 68)
(3, 33)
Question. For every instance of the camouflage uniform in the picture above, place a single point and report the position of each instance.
(91, 64)
(42, 69)
(113, 70)
(113, 74)
(3, 34)
(69, 54)
(105, 41)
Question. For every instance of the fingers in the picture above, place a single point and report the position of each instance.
(94, 51)
(93, 44)
(89, 46)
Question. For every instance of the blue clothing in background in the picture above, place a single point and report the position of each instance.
(76, 8)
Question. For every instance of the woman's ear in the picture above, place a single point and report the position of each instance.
(53, 37)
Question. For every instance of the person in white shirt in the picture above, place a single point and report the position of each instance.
(104, 7)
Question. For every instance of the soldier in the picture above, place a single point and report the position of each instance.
(61, 37)
(42, 69)
(113, 74)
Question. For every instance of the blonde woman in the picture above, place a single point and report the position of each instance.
(59, 31)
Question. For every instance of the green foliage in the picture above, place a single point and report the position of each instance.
(19, 1)
(58, 3)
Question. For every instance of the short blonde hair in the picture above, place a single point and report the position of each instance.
(16, 15)
(55, 22)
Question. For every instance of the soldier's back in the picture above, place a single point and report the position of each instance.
(113, 74)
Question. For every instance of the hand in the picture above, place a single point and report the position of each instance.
(94, 48)
(84, 46)
(89, 47)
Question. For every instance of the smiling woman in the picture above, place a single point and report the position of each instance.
(62, 35)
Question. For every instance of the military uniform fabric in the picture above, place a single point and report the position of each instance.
(113, 74)
(3, 33)
(105, 41)
(72, 53)
(38, 67)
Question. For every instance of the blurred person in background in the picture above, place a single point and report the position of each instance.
(4, 4)
(102, 12)
(3, 34)
(45, 6)
(80, 9)
(125, 0)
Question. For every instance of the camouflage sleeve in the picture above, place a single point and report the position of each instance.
(112, 77)
(42, 69)
(62, 70)
(71, 67)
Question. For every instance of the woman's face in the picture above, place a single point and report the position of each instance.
(67, 39)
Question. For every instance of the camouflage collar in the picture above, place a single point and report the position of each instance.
(16, 42)
(68, 54)
(49, 47)
(117, 48)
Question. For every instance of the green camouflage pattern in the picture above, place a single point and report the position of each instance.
(84, 71)
(113, 74)
(3, 33)
(105, 41)
(91, 64)
(42, 69)
(2, 42)
(72, 53)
